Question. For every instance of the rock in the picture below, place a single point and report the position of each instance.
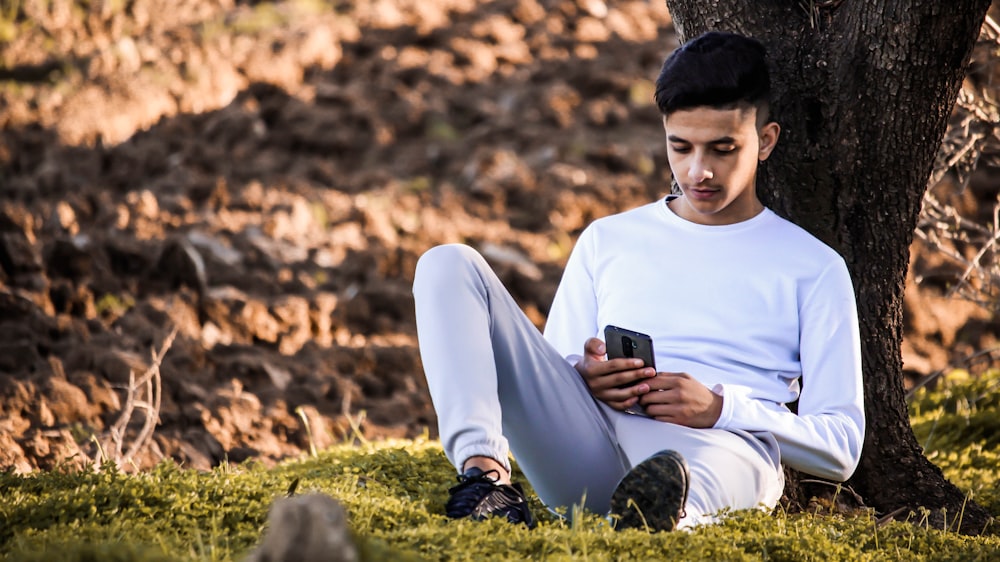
(99, 393)
(321, 316)
(508, 257)
(211, 336)
(309, 528)
(279, 377)
(51, 448)
(144, 204)
(199, 450)
(115, 365)
(16, 218)
(127, 256)
(76, 301)
(15, 307)
(70, 258)
(259, 322)
(292, 314)
(19, 356)
(214, 247)
(67, 402)
(65, 217)
(45, 417)
(12, 455)
(276, 251)
(18, 257)
(181, 264)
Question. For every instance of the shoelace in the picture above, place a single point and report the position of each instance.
(470, 491)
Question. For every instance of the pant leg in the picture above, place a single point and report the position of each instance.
(493, 377)
(736, 470)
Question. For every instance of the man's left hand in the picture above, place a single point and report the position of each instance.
(679, 398)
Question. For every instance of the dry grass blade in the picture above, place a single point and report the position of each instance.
(891, 516)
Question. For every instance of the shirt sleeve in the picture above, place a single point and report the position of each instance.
(573, 315)
(825, 438)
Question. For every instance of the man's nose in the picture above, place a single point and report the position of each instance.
(699, 171)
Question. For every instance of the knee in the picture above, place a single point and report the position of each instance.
(444, 262)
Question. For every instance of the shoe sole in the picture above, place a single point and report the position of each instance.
(652, 495)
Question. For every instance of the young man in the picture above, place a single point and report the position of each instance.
(740, 304)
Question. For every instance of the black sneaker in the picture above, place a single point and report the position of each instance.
(478, 495)
(652, 495)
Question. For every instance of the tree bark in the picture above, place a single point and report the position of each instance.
(863, 91)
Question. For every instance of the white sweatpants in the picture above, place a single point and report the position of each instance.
(498, 387)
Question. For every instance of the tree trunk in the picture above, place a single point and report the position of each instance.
(863, 91)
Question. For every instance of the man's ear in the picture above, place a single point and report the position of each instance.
(768, 135)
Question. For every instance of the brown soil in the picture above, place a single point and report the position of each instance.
(263, 179)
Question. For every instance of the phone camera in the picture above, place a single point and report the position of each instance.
(628, 344)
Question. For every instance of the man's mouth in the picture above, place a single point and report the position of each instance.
(702, 192)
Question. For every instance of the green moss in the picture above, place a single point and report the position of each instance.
(418, 184)
(438, 129)
(320, 215)
(263, 16)
(113, 306)
(8, 30)
(958, 423)
(75, 551)
(395, 493)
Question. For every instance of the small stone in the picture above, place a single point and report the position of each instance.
(17, 256)
(309, 528)
(65, 217)
(69, 258)
(181, 264)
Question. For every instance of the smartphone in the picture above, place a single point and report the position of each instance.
(628, 344)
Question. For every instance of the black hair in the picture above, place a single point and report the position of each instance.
(715, 69)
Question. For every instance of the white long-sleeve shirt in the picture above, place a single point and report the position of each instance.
(749, 309)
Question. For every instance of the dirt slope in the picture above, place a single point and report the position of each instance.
(262, 177)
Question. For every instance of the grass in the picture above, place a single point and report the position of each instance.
(113, 306)
(395, 490)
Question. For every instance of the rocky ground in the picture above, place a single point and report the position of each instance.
(263, 177)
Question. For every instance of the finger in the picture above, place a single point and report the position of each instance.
(658, 396)
(661, 412)
(629, 394)
(627, 364)
(670, 381)
(594, 347)
(622, 404)
(625, 379)
(601, 367)
(616, 381)
(597, 376)
(593, 367)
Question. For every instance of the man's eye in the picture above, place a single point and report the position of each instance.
(725, 149)
(681, 149)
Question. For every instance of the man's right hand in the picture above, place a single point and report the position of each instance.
(606, 377)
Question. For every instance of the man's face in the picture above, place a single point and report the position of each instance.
(713, 154)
